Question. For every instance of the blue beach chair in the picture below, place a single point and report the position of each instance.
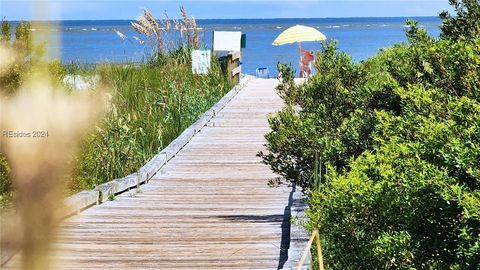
(262, 72)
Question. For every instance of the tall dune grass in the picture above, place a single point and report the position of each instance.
(154, 33)
(150, 105)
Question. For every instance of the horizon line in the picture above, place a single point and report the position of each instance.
(206, 19)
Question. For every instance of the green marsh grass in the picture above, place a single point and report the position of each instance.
(149, 106)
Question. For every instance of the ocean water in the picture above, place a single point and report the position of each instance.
(96, 41)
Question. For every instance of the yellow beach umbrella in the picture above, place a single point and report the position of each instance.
(299, 33)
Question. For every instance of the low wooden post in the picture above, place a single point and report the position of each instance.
(319, 251)
(233, 67)
(315, 236)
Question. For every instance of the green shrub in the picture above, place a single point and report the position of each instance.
(287, 89)
(464, 23)
(409, 185)
(336, 118)
(388, 151)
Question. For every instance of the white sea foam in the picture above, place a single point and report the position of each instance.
(279, 27)
(84, 29)
(94, 29)
(337, 26)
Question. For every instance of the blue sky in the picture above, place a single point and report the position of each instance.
(215, 9)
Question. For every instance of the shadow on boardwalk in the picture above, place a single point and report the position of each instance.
(285, 220)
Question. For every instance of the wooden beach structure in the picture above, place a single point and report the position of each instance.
(202, 203)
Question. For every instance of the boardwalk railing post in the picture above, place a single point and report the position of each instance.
(233, 67)
(319, 251)
(315, 236)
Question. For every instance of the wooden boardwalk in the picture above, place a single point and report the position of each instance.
(209, 208)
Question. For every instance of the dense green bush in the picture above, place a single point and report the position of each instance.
(389, 152)
(336, 118)
(418, 187)
(464, 23)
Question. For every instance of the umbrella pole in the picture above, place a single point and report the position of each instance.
(300, 61)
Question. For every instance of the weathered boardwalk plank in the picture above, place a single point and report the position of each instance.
(208, 208)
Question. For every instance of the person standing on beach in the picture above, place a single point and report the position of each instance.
(305, 60)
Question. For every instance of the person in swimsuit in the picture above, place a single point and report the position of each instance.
(305, 60)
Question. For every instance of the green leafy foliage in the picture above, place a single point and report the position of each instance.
(388, 151)
(287, 89)
(464, 23)
(336, 116)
